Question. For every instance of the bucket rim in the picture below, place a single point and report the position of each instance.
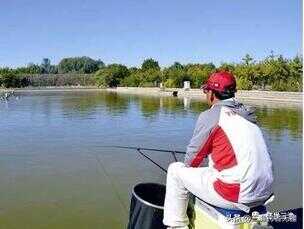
(144, 201)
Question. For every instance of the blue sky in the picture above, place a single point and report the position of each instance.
(128, 31)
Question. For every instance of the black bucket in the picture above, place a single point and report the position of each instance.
(147, 206)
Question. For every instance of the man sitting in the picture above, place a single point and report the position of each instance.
(239, 174)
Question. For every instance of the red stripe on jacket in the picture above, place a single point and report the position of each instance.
(220, 148)
(222, 152)
(227, 191)
(223, 156)
(202, 153)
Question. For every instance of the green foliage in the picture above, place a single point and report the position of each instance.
(6, 71)
(294, 85)
(244, 84)
(148, 84)
(70, 79)
(79, 65)
(112, 75)
(170, 83)
(279, 85)
(133, 79)
(226, 67)
(274, 72)
(150, 76)
(296, 74)
(11, 80)
(150, 64)
(46, 65)
(199, 73)
(32, 69)
(177, 66)
(248, 60)
(175, 77)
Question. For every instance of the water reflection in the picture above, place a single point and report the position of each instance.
(85, 104)
(81, 104)
(274, 120)
(186, 102)
(278, 120)
(149, 107)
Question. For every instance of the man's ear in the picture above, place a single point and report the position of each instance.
(212, 96)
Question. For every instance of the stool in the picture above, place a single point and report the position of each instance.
(208, 216)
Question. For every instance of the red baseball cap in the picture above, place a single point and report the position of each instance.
(222, 81)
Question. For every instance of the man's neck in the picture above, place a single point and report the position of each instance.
(218, 101)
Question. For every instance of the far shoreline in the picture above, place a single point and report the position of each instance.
(258, 97)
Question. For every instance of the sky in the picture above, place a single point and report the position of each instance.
(129, 31)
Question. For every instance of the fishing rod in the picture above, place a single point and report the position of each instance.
(140, 149)
(159, 166)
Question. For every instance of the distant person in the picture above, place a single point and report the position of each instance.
(239, 175)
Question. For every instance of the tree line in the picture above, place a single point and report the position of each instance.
(272, 73)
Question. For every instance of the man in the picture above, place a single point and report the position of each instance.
(239, 174)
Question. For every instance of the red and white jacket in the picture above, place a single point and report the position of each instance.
(228, 136)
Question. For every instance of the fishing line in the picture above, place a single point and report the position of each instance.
(139, 150)
(101, 165)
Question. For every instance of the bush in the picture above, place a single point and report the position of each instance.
(111, 76)
(147, 84)
(279, 85)
(294, 85)
(244, 84)
(11, 80)
(170, 83)
(131, 81)
(46, 80)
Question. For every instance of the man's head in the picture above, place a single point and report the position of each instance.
(219, 86)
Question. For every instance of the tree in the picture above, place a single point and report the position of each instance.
(34, 68)
(134, 79)
(296, 68)
(150, 64)
(79, 65)
(175, 77)
(100, 64)
(112, 75)
(177, 65)
(46, 65)
(226, 67)
(280, 74)
(274, 72)
(247, 59)
(199, 73)
(245, 76)
(12, 80)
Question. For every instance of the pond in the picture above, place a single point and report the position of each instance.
(54, 172)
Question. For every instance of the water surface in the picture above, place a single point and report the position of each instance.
(55, 174)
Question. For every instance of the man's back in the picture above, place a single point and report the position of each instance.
(237, 152)
(252, 168)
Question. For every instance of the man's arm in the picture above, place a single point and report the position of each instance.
(197, 147)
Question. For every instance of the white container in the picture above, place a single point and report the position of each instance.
(186, 85)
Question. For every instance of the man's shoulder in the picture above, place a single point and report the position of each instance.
(211, 111)
(210, 115)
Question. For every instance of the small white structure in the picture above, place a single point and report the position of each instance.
(161, 86)
(186, 85)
